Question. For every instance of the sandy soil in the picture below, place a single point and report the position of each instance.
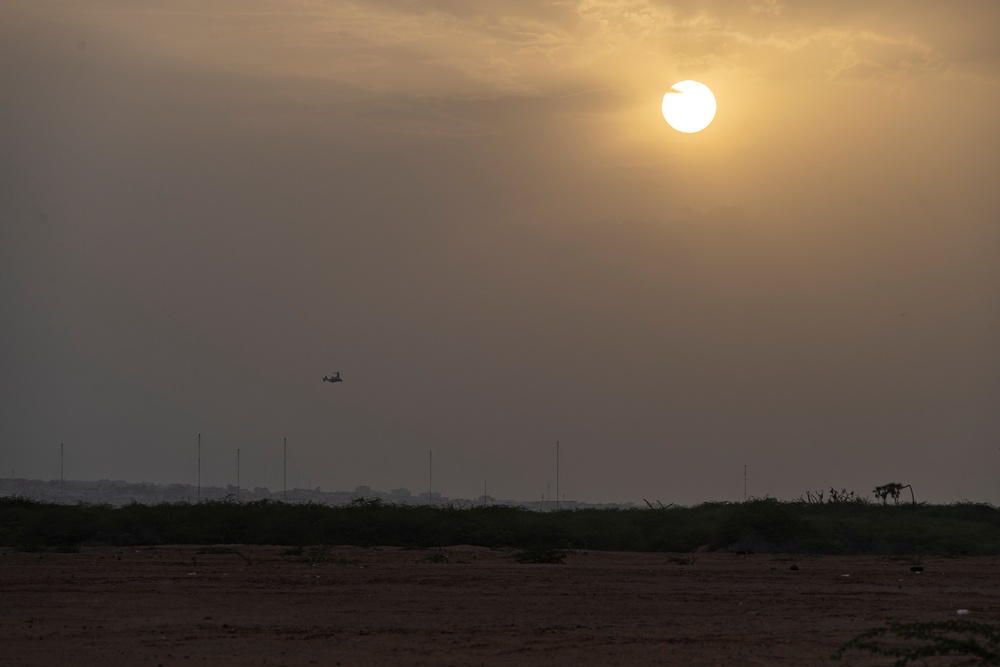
(239, 605)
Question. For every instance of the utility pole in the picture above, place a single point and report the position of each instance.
(744, 482)
(430, 477)
(284, 469)
(61, 457)
(237, 474)
(199, 467)
(558, 501)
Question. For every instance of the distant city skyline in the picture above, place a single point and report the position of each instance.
(122, 492)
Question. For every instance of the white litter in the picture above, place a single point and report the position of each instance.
(963, 612)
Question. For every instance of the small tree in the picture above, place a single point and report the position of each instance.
(893, 490)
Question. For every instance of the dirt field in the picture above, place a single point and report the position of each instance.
(184, 605)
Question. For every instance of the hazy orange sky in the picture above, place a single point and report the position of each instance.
(477, 214)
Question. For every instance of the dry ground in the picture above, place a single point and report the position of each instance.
(241, 605)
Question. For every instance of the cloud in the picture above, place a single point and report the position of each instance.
(447, 49)
(771, 7)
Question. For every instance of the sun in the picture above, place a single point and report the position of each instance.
(689, 106)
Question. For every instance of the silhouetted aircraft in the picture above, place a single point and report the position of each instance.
(333, 378)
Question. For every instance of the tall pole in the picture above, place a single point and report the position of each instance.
(237, 474)
(199, 467)
(430, 477)
(61, 457)
(744, 482)
(284, 470)
(558, 498)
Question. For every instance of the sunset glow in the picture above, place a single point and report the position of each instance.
(478, 213)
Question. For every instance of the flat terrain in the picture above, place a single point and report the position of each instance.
(240, 605)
